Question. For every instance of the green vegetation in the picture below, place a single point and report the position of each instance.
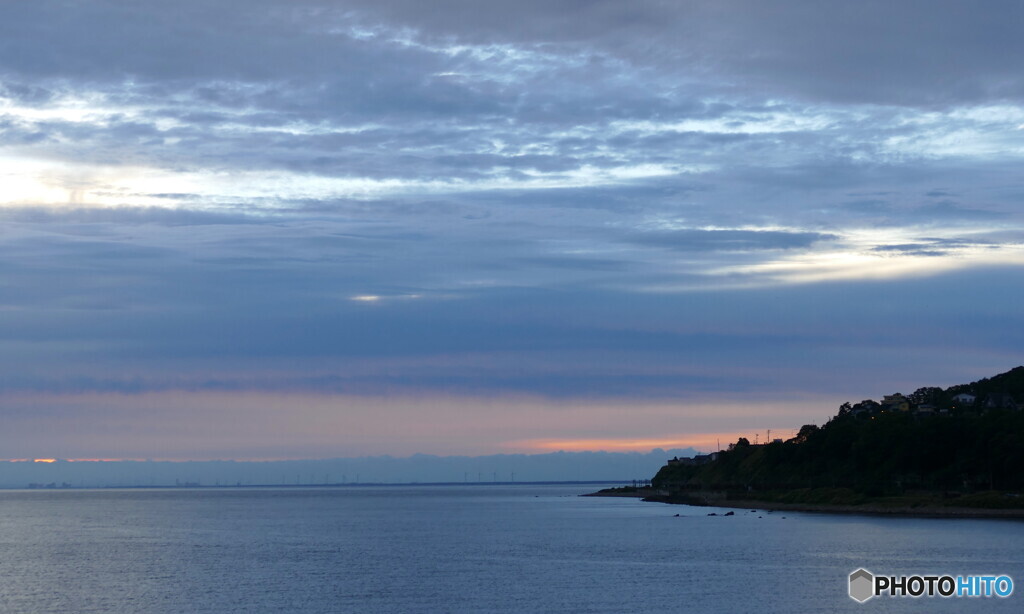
(928, 448)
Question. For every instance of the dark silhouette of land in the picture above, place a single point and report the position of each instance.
(958, 450)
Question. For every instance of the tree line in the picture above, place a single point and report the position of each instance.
(882, 453)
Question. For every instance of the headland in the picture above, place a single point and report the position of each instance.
(954, 452)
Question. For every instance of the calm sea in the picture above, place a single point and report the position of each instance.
(465, 549)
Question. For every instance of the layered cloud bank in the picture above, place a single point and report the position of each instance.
(474, 215)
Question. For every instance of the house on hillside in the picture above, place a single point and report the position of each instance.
(865, 407)
(699, 459)
(964, 398)
(1001, 400)
(925, 410)
(896, 402)
(702, 459)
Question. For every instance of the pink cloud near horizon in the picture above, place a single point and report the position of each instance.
(259, 426)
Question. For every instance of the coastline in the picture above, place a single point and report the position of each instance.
(864, 509)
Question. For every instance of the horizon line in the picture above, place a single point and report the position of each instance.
(53, 460)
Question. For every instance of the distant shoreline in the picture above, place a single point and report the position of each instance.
(864, 509)
(328, 485)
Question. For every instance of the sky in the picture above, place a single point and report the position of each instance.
(306, 229)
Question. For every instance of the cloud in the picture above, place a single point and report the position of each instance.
(910, 249)
(731, 240)
(918, 53)
(561, 199)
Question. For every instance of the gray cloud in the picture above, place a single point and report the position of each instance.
(731, 240)
(919, 52)
(910, 249)
(163, 335)
(564, 199)
(55, 217)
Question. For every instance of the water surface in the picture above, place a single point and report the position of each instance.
(464, 549)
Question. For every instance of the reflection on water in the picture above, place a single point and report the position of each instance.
(465, 549)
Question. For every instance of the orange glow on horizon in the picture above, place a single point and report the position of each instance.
(74, 460)
(698, 441)
(159, 460)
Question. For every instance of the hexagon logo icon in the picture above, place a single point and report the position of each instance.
(862, 584)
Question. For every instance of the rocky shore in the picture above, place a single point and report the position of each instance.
(921, 507)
